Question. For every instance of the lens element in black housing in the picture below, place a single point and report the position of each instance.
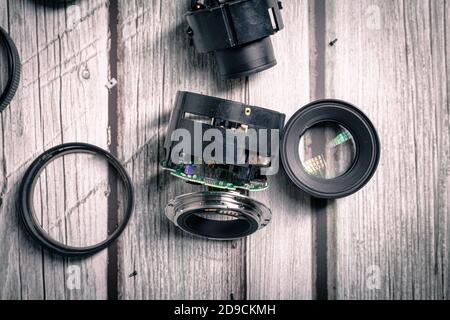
(238, 32)
(330, 149)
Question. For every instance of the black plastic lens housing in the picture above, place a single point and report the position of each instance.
(362, 133)
(239, 215)
(192, 110)
(238, 32)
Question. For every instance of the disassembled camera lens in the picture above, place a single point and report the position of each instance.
(330, 149)
(14, 68)
(238, 32)
(195, 115)
(26, 194)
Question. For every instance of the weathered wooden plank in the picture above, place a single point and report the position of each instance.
(74, 62)
(398, 228)
(17, 143)
(280, 258)
(392, 238)
(155, 61)
(51, 108)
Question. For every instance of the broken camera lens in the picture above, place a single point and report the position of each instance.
(61, 225)
(238, 32)
(229, 148)
(329, 149)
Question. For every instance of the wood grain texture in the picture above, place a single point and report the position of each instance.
(155, 61)
(53, 105)
(280, 257)
(391, 59)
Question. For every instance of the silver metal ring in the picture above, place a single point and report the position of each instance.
(239, 216)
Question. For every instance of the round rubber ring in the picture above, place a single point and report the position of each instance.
(14, 69)
(25, 200)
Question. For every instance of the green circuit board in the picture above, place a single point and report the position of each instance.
(188, 173)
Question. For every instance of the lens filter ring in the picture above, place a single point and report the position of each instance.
(218, 215)
(357, 130)
(14, 69)
(26, 207)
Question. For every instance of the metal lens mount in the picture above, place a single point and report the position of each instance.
(238, 32)
(14, 68)
(195, 114)
(357, 131)
(194, 213)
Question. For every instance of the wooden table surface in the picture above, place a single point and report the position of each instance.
(389, 241)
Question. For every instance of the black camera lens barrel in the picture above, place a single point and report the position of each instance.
(14, 69)
(238, 32)
(217, 108)
(366, 141)
(238, 215)
(26, 208)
